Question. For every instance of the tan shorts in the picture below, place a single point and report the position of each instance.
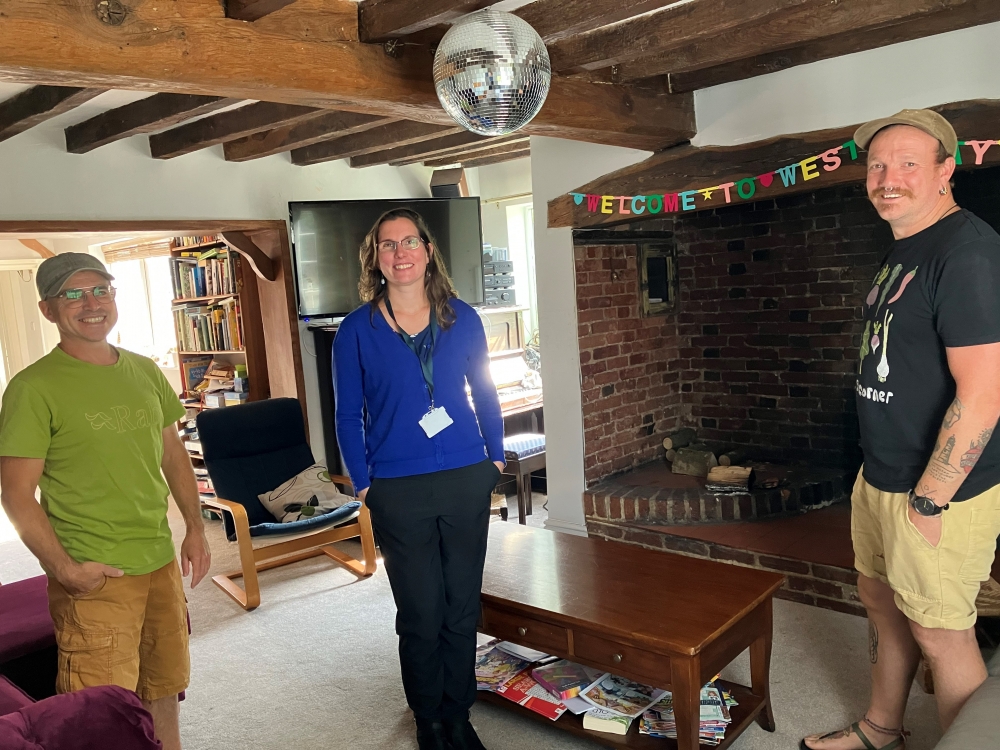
(130, 631)
(934, 586)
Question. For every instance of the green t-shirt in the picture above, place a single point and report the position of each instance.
(99, 429)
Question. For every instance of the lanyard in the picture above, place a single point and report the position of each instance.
(425, 353)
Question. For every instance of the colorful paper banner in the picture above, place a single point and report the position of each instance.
(807, 169)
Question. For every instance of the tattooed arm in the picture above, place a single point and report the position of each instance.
(968, 423)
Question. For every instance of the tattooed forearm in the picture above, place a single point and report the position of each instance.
(953, 414)
(971, 457)
(872, 642)
(940, 467)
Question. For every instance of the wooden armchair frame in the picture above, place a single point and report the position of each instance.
(252, 560)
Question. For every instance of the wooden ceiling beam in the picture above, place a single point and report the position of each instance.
(38, 104)
(415, 152)
(252, 10)
(788, 31)
(488, 143)
(380, 20)
(671, 27)
(189, 47)
(467, 158)
(289, 137)
(687, 167)
(486, 159)
(376, 139)
(558, 19)
(144, 116)
(227, 126)
(972, 14)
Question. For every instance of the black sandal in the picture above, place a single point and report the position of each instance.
(896, 744)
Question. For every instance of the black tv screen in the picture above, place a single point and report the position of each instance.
(327, 237)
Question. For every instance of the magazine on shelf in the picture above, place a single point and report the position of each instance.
(522, 652)
(524, 690)
(495, 668)
(659, 721)
(620, 695)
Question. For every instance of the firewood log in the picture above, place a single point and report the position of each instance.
(693, 463)
(733, 458)
(679, 438)
(729, 479)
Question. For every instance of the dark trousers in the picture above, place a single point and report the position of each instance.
(432, 531)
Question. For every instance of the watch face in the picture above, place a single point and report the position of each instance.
(925, 506)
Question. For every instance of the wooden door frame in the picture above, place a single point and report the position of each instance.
(279, 331)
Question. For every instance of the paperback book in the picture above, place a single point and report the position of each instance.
(494, 668)
(602, 720)
(565, 679)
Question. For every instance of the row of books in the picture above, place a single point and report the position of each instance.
(190, 240)
(209, 328)
(206, 274)
(609, 703)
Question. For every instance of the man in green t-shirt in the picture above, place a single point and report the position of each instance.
(92, 427)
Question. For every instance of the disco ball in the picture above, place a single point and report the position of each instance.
(492, 72)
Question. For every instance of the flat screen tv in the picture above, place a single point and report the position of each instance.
(327, 236)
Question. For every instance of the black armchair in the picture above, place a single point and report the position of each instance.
(251, 449)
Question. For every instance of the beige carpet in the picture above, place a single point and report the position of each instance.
(315, 668)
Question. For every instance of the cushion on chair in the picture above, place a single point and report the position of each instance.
(12, 698)
(97, 718)
(25, 623)
(523, 445)
(308, 494)
(251, 449)
(343, 514)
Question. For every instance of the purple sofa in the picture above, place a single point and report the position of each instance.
(97, 718)
(31, 716)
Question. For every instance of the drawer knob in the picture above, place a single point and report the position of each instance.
(522, 631)
(617, 658)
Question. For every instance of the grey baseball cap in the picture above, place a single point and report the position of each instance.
(54, 272)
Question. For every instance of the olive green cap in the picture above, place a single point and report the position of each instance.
(923, 119)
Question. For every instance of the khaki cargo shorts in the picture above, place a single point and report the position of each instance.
(130, 631)
(934, 586)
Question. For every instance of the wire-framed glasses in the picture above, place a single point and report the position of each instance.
(103, 293)
(407, 243)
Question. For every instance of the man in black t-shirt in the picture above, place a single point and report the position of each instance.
(926, 505)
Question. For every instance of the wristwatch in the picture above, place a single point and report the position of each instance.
(925, 506)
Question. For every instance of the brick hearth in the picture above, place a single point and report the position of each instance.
(653, 495)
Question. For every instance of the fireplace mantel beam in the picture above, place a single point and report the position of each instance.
(687, 167)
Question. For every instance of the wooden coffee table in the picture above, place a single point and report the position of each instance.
(658, 618)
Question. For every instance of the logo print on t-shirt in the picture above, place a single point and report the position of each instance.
(878, 334)
(121, 421)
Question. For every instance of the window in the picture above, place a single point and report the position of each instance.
(145, 321)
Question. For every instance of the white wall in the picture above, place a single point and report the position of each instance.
(558, 166)
(951, 67)
(121, 182)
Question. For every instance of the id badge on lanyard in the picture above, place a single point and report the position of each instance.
(436, 418)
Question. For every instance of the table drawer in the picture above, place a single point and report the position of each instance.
(620, 659)
(525, 630)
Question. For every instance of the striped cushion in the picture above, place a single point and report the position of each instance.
(523, 445)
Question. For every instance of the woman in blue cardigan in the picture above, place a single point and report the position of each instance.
(424, 459)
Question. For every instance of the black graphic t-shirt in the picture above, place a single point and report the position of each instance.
(939, 288)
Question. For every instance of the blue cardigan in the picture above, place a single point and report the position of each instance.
(381, 396)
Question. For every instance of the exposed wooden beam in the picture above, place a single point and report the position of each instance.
(666, 29)
(515, 138)
(479, 157)
(376, 139)
(557, 19)
(418, 151)
(144, 116)
(260, 263)
(228, 126)
(37, 247)
(485, 161)
(972, 14)
(379, 20)
(189, 47)
(251, 10)
(787, 31)
(38, 104)
(288, 137)
(690, 168)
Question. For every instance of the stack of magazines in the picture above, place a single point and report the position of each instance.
(658, 719)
